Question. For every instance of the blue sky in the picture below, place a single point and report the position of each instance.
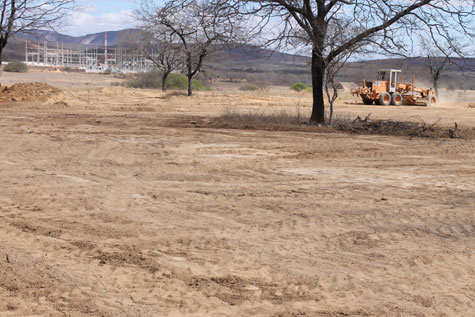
(99, 16)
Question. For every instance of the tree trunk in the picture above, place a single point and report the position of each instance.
(332, 101)
(190, 80)
(436, 85)
(164, 80)
(318, 74)
(1, 61)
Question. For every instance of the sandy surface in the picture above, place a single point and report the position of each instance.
(109, 208)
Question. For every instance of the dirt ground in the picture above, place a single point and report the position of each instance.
(114, 202)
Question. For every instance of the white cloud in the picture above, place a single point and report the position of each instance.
(90, 9)
(85, 22)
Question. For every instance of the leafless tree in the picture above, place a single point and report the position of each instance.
(195, 26)
(453, 51)
(436, 64)
(437, 59)
(330, 84)
(338, 32)
(164, 53)
(388, 25)
(28, 16)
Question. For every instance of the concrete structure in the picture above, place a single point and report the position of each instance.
(90, 58)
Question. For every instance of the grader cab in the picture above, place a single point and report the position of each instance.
(390, 88)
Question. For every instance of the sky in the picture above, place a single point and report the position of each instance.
(95, 16)
(100, 15)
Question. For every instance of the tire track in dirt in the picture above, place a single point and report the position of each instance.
(121, 214)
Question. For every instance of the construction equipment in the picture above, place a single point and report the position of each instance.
(390, 89)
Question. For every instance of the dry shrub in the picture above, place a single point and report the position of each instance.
(397, 128)
(172, 94)
(124, 75)
(259, 119)
(258, 83)
(153, 79)
(287, 121)
(248, 87)
(16, 67)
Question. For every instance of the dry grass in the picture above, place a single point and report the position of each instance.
(173, 93)
(271, 91)
(261, 118)
(256, 119)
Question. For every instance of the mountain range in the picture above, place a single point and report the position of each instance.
(113, 37)
(253, 63)
(239, 53)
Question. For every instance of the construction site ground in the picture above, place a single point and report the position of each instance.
(114, 202)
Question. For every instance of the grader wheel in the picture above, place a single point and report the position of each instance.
(396, 99)
(385, 99)
(431, 100)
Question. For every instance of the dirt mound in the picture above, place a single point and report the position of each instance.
(27, 92)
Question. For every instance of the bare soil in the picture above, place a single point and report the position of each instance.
(123, 202)
(27, 92)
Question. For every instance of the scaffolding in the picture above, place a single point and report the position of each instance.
(89, 58)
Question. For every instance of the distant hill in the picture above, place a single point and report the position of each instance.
(459, 74)
(254, 64)
(252, 54)
(241, 53)
(113, 37)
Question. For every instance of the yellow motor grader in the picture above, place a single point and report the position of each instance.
(390, 89)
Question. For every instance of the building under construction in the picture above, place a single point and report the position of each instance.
(84, 57)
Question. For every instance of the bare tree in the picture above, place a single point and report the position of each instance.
(161, 50)
(338, 32)
(331, 86)
(164, 53)
(436, 64)
(388, 25)
(437, 58)
(28, 16)
(453, 51)
(195, 26)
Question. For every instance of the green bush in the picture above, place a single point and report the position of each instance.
(199, 86)
(16, 67)
(300, 87)
(153, 79)
(177, 82)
